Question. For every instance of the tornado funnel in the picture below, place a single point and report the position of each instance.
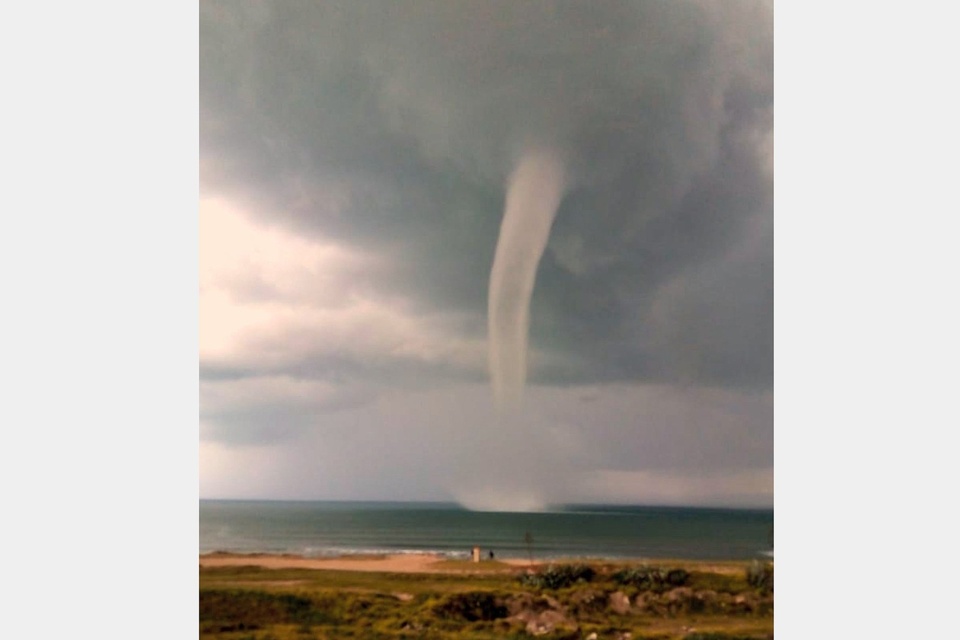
(534, 191)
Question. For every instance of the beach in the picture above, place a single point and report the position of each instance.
(430, 563)
(387, 563)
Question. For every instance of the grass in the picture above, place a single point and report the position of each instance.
(474, 567)
(251, 603)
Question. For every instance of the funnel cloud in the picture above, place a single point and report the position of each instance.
(534, 193)
(508, 253)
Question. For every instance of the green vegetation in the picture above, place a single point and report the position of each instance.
(760, 576)
(652, 578)
(695, 602)
(558, 577)
(471, 606)
(470, 566)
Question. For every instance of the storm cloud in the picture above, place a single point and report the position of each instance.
(372, 142)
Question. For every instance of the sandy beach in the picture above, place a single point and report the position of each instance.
(417, 563)
(396, 563)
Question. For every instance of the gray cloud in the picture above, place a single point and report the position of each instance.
(444, 443)
(391, 127)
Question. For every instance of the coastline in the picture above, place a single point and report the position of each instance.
(434, 563)
(388, 563)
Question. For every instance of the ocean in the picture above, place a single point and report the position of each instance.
(318, 529)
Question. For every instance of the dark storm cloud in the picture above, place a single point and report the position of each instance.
(392, 126)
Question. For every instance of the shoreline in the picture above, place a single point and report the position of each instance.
(435, 563)
(388, 563)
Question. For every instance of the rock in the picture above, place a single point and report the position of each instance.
(679, 600)
(545, 622)
(588, 600)
(519, 603)
(540, 614)
(619, 603)
(525, 616)
(648, 603)
(592, 636)
(680, 594)
(528, 602)
(746, 602)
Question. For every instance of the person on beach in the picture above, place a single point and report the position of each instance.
(491, 554)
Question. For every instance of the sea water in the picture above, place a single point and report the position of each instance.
(318, 529)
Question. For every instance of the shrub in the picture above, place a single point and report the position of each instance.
(244, 610)
(651, 578)
(676, 577)
(558, 577)
(760, 576)
(719, 582)
(471, 606)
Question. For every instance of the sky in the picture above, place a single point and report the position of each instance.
(373, 326)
